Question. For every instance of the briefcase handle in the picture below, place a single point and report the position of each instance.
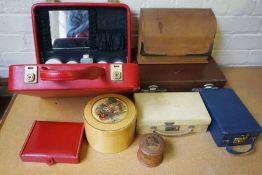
(232, 151)
(89, 73)
(173, 133)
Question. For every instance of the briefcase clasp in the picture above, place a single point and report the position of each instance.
(240, 140)
(153, 88)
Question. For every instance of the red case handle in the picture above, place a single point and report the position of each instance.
(89, 73)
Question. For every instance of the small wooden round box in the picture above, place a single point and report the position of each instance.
(151, 149)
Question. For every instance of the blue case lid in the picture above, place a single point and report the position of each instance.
(226, 108)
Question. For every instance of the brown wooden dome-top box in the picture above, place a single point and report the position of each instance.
(175, 35)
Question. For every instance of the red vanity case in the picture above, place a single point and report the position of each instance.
(103, 35)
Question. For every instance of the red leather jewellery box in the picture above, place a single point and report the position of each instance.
(53, 142)
(95, 37)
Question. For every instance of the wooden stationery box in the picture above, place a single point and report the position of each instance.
(175, 36)
(172, 113)
(180, 77)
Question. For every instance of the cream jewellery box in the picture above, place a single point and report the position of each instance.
(171, 114)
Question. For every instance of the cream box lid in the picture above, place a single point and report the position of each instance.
(179, 107)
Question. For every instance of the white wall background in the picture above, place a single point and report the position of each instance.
(238, 41)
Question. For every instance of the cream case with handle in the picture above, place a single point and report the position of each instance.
(171, 114)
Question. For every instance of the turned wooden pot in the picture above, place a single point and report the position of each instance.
(151, 150)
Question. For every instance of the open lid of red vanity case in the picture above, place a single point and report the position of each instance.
(68, 32)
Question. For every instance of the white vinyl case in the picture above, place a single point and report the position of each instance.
(171, 113)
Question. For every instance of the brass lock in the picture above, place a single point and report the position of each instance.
(240, 140)
(170, 126)
(30, 75)
(116, 72)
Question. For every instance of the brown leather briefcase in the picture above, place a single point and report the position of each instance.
(180, 77)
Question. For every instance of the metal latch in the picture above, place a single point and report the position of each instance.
(206, 86)
(209, 86)
(116, 72)
(170, 126)
(30, 75)
(153, 88)
(240, 140)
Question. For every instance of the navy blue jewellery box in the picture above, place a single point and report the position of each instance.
(232, 124)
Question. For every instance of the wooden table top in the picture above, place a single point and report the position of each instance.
(192, 154)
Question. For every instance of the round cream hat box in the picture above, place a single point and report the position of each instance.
(110, 123)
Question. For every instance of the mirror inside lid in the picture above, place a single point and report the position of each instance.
(69, 31)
